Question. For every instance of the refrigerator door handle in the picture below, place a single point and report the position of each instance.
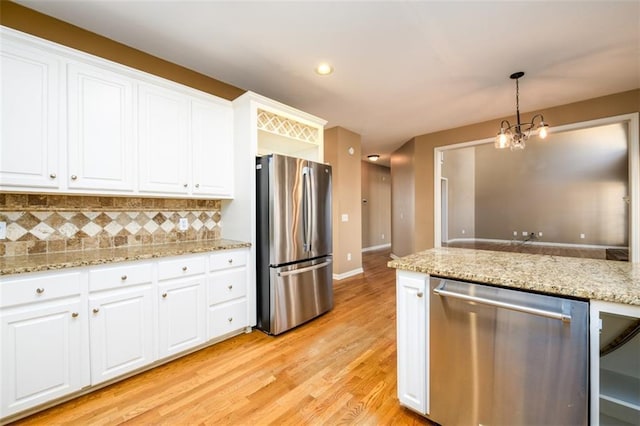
(306, 207)
(440, 291)
(301, 270)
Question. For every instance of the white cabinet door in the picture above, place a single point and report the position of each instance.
(181, 315)
(44, 349)
(29, 141)
(412, 340)
(100, 132)
(122, 332)
(163, 141)
(212, 143)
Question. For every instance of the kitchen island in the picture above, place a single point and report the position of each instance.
(611, 289)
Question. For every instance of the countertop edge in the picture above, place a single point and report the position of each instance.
(10, 266)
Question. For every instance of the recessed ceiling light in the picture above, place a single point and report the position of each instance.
(324, 69)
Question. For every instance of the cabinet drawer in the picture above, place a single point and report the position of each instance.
(228, 259)
(227, 285)
(226, 318)
(107, 278)
(35, 289)
(181, 267)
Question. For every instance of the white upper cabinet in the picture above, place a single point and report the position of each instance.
(100, 133)
(211, 131)
(29, 117)
(163, 141)
(104, 128)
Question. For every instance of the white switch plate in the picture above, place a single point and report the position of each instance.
(3, 230)
(345, 217)
(183, 224)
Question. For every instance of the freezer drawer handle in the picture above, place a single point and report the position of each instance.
(301, 270)
(440, 291)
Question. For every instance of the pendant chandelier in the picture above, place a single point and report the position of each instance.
(515, 135)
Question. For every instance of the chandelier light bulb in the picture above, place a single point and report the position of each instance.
(543, 131)
(502, 141)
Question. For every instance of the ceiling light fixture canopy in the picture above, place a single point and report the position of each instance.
(373, 157)
(515, 135)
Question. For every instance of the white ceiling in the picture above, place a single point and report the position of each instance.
(402, 68)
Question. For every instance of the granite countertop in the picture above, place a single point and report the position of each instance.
(606, 280)
(46, 262)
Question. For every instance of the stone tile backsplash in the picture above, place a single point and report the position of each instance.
(38, 223)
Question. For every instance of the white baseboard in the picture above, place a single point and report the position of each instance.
(394, 256)
(533, 243)
(378, 247)
(347, 274)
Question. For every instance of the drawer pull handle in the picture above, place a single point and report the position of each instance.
(74, 177)
(184, 268)
(230, 287)
(53, 176)
(123, 278)
(164, 295)
(185, 185)
(419, 294)
(74, 315)
(197, 185)
(230, 261)
(230, 319)
(96, 310)
(39, 290)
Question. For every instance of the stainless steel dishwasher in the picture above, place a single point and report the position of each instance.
(506, 357)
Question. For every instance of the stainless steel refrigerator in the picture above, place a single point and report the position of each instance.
(293, 242)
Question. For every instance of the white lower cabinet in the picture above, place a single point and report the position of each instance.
(44, 341)
(122, 320)
(227, 293)
(66, 331)
(181, 305)
(412, 339)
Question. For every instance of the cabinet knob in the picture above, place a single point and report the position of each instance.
(230, 319)
(185, 185)
(419, 294)
(164, 295)
(230, 287)
(96, 310)
(53, 176)
(74, 315)
(123, 278)
(184, 268)
(39, 290)
(197, 185)
(74, 177)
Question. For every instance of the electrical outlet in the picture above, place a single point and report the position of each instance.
(348, 256)
(540, 234)
(3, 230)
(183, 224)
(464, 232)
(383, 236)
(345, 217)
(525, 233)
(515, 233)
(582, 236)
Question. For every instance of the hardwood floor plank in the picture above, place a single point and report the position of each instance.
(338, 369)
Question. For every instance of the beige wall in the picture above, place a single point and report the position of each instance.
(347, 236)
(376, 205)
(406, 240)
(29, 21)
(459, 167)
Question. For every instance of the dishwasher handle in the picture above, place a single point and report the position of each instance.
(440, 291)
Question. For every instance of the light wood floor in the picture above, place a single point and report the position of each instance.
(337, 369)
